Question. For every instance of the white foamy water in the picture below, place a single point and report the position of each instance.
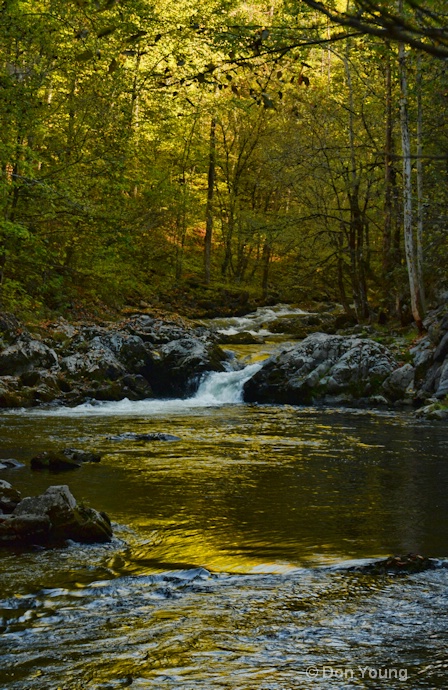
(256, 323)
(216, 388)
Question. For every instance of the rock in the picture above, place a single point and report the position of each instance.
(67, 459)
(320, 368)
(98, 363)
(51, 518)
(156, 331)
(434, 411)
(442, 349)
(9, 497)
(10, 327)
(398, 565)
(422, 354)
(442, 387)
(177, 368)
(13, 394)
(242, 338)
(10, 463)
(400, 382)
(20, 530)
(137, 387)
(157, 436)
(26, 355)
(130, 350)
(301, 325)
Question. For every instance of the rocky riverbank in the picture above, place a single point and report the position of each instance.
(146, 356)
(140, 357)
(346, 369)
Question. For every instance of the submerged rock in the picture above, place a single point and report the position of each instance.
(61, 460)
(52, 518)
(156, 436)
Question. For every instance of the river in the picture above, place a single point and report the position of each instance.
(230, 564)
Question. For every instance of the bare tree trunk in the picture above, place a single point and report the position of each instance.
(266, 259)
(388, 206)
(356, 232)
(420, 204)
(209, 207)
(409, 244)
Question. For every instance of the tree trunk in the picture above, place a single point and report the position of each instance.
(209, 207)
(266, 259)
(409, 244)
(388, 191)
(420, 203)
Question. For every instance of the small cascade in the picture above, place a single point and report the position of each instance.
(224, 387)
(215, 389)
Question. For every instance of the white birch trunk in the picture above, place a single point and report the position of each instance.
(409, 244)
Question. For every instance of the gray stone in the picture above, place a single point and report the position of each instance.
(26, 355)
(442, 349)
(9, 497)
(98, 363)
(322, 366)
(400, 382)
(442, 388)
(68, 519)
(178, 365)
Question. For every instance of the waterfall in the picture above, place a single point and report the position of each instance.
(223, 387)
(215, 389)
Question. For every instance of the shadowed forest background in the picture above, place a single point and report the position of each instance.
(187, 155)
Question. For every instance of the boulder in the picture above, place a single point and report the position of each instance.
(442, 387)
(61, 460)
(156, 331)
(9, 497)
(129, 349)
(97, 363)
(400, 383)
(328, 368)
(178, 365)
(52, 518)
(12, 393)
(26, 355)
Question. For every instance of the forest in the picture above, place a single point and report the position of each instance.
(178, 153)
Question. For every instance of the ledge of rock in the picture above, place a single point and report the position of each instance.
(49, 519)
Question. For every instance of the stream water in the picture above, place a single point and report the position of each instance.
(230, 565)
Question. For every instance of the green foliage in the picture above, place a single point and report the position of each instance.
(104, 155)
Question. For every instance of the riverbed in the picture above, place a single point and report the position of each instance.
(230, 567)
